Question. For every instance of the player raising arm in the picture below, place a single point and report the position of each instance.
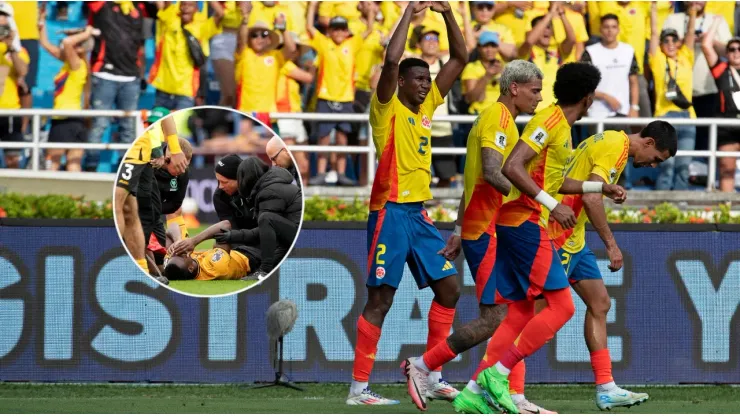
(399, 229)
(602, 158)
(492, 137)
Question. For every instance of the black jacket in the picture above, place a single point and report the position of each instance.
(234, 209)
(172, 189)
(116, 50)
(274, 192)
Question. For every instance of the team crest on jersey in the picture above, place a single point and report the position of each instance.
(539, 136)
(380, 272)
(345, 51)
(269, 60)
(426, 122)
(217, 256)
(500, 140)
(612, 175)
(173, 184)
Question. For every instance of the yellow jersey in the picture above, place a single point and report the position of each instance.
(681, 69)
(494, 129)
(9, 98)
(294, 12)
(548, 134)
(725, 9)
(403, 144)
(288, 90)
(257, 80)
(578, 23)
(69, 86)
(336, 72)
(232, 15)
(368, 56)
(29, 11)
(604, 154)
(346, 9)
(473, 71)
(548, 61)
(219, 264)
(172, 71)
(520, 25)
(140, 151)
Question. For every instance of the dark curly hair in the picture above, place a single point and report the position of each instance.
(575, 81)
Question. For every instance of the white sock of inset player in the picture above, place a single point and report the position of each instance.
(434, 377)
(357, 387)
(517, 398)
(606, 387)
(501, 369)
(421, 365)
(474, 387)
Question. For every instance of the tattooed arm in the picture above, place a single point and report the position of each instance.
(492, 162)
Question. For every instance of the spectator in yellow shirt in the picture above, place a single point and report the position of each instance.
(259, 63)
(483, 22)
(539, 49)
(173, 73)
(69, 86)
(671, 62)
(330, 9)
(337, 51)
(13, 67)
(289, 100)
(480, 78)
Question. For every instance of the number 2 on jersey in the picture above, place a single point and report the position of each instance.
(422, 143)
(381, 251)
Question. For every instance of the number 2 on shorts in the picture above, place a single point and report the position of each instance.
(381, 251)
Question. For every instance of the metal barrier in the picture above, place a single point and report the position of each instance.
(712, 154)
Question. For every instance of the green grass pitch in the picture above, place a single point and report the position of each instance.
(321, 398)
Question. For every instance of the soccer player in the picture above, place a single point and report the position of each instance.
(399, 230)
(222, 262)
(493, 135)
(135, 162)
(527, 264)
(601, 159)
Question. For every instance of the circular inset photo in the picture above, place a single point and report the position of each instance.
(207, 200)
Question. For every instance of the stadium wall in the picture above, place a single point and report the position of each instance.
(74, 308)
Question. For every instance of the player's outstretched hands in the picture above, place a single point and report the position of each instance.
(615, 193)
(440, 6)
(179, 162)
(224, 237)
(452, 249)
(185, 246)
(564, 216)
(615, 258)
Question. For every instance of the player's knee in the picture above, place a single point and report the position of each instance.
(265, 218)
(600, 305)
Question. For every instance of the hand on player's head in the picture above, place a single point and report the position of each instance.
(185, 246)
(179, 163)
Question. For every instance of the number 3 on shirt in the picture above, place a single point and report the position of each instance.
(423, 142)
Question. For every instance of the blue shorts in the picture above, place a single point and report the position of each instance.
(481, 256)
(527, 263)
(580, 266)
(332, 107)
(400, 234)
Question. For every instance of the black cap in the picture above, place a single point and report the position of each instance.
(228, 166)
(668, 32)
(338, 22)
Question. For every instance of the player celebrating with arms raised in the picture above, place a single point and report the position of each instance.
(493, 135)
(399, 230)
(602, 158)
(527, 264)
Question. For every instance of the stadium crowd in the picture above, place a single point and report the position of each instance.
(325, 57)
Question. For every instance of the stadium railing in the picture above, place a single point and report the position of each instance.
(36, 144)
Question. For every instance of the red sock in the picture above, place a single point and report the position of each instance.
(516, 377)
(438, 356)
(546, 324)
(367, 345)
(601, 363)
(517, 316)
(440, 323)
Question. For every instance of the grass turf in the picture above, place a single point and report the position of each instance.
(321, 398)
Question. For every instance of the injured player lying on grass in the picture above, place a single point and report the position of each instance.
(222, 262)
